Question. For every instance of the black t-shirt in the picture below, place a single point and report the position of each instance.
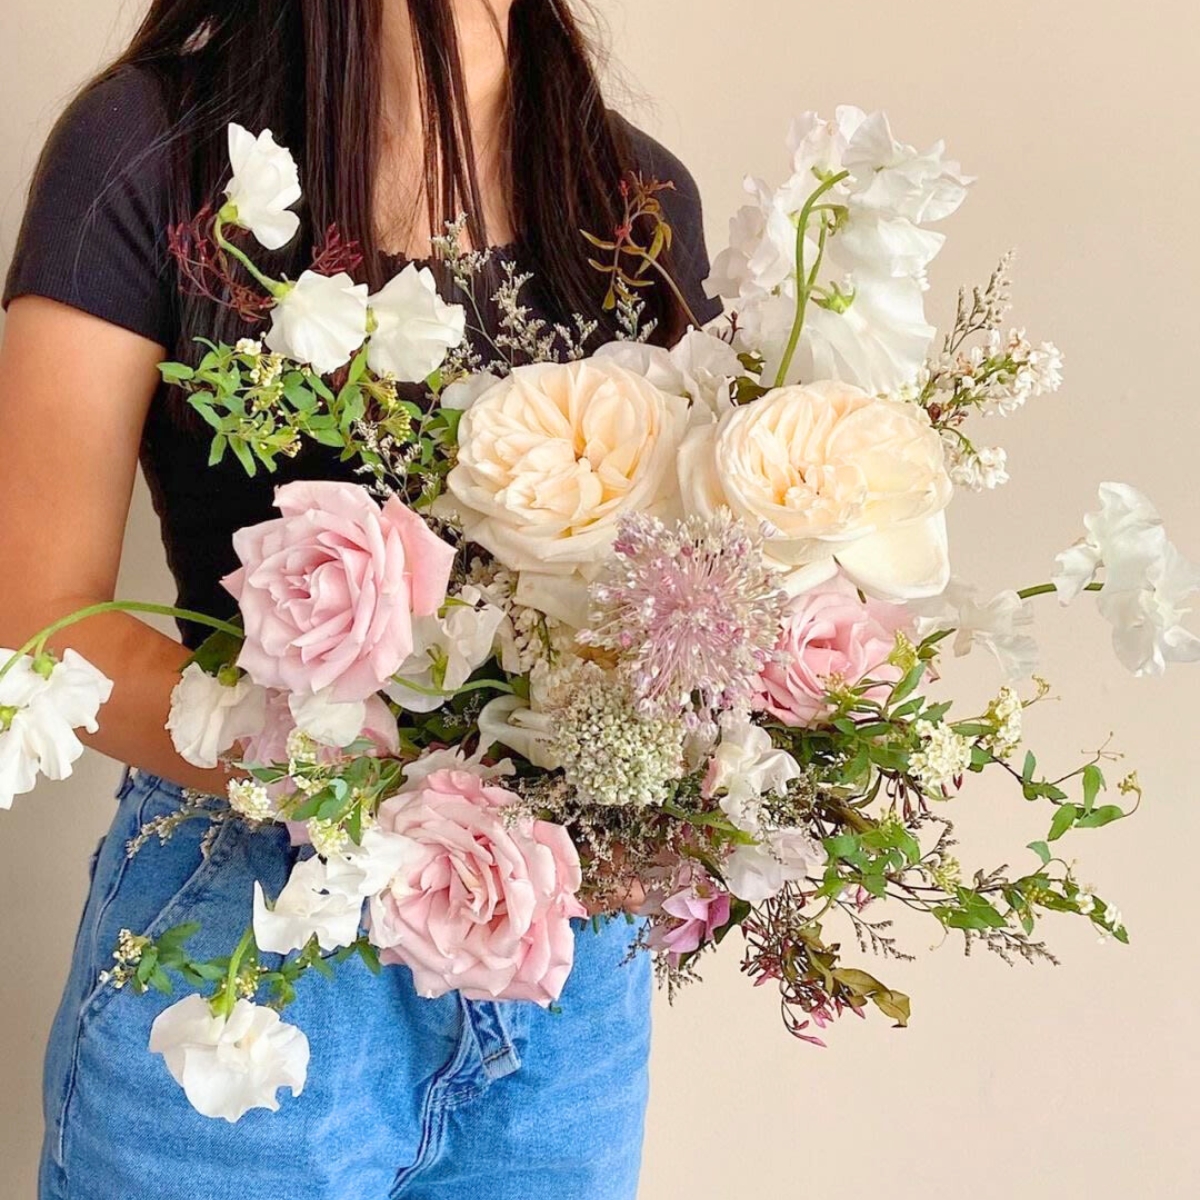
(94, 237)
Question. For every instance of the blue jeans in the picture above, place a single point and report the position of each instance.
(407, 1098)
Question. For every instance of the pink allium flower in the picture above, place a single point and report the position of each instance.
(328, 591)
(690, 917)
(692, 610)
(829, 636)
(484, 904)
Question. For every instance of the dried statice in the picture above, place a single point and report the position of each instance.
(693, 612)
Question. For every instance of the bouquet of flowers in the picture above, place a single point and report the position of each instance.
(611, 623)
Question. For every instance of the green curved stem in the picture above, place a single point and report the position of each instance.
(1045, 589)
(37, 643)
(277, 289)
(478, 684)
(804, 281)
(224, 1003)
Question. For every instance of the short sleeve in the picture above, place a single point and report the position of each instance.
(95, 229)
(686, 214)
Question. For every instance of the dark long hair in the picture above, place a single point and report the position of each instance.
(310, 70)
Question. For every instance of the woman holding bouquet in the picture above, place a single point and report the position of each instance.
(402, 116)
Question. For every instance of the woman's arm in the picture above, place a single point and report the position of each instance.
(74, 392)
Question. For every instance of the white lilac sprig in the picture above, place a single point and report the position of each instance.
(693, 612)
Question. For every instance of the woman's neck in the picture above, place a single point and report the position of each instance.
(482, 39)
(401, 200)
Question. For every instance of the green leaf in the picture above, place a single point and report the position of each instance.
(368, 954)
(1042, 851)
(243, 455)
(1029, 767)
(1066, 816)
(173, 372)
(1093, 781)
(908, 684)
(219, 649)
(1106, 814)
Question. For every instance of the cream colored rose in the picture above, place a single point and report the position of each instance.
(549, 459)
(840, 478)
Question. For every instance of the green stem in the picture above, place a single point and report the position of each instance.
(1045, 589)
(223, 1003)
(804, 284)
(498, 684)
(693, 320)
(37, 643)
(277, 289)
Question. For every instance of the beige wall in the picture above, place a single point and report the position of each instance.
(1081, 118)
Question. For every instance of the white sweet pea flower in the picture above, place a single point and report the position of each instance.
(307, 907)
(264, 187)
(995, 624)
(869, 328)
(320, 320)
(878, 343)
(229, 1065)
(414, 327)
(699, 366)
(326, 720)
(39, 713)
(1125, 537)
(462, 393)
(891, 177)
(756, 873)
(447, 649)
(743, 768)
(511, 722)
(208, 715)
(359, 872)
(1147, 618)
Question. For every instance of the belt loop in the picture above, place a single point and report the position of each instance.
(128, 779)
(497, 1052)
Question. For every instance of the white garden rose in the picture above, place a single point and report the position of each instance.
(548, 461)
(837, 477)
(264, 187)
(414, 327)
(320, 320)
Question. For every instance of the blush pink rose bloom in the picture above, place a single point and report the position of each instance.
(328, 591)
(689, 918)
(829, 634)
(483, 906)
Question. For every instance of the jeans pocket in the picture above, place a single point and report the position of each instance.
(147, 891)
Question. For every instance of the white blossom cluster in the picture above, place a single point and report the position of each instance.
(998, 375)
(251, 799)
(527, 639)
(609, 753)
(978, 468)
(943, 758)
(1004, 715)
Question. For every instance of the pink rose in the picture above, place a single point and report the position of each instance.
(484, 906)
(328, 592)
(690, 917)
(829, 634)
